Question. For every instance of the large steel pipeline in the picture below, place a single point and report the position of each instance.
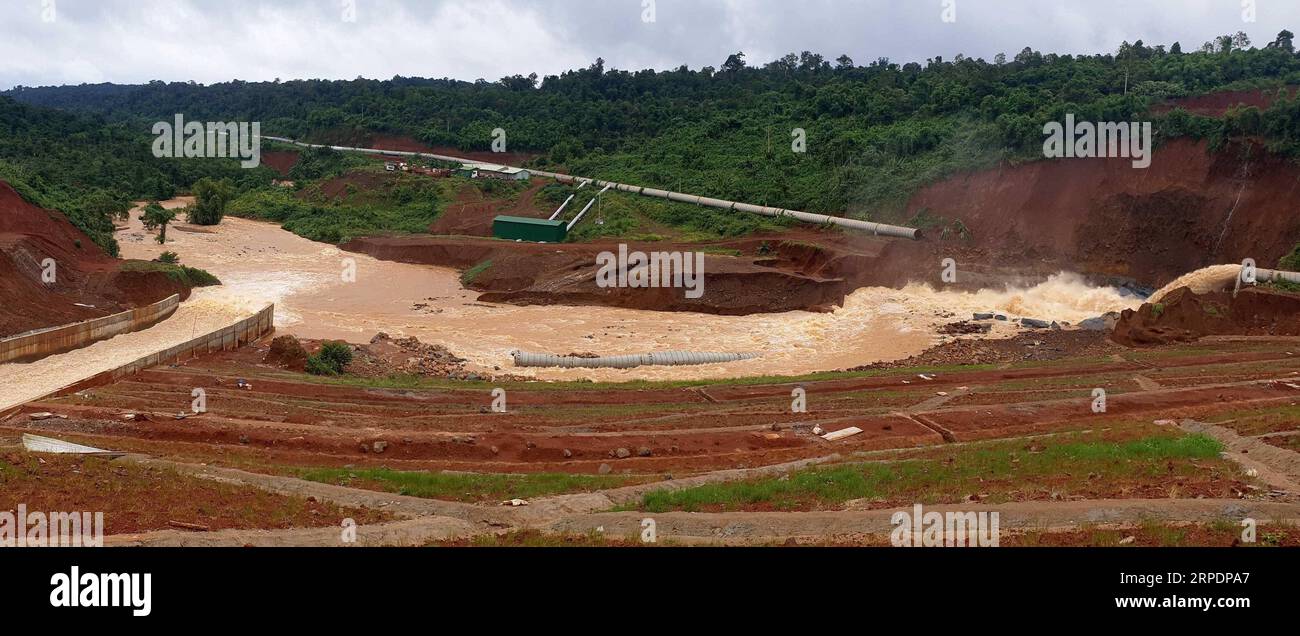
(881, 229)
(1266, 275)
(662, 358)
(561, 208)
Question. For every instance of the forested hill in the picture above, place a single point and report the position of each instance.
(91, 169)
(875, 132)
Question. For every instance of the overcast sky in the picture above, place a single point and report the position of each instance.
(46, 42)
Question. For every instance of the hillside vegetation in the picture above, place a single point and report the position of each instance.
(91, 169)
(874, 133)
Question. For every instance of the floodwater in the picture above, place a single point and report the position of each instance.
(207, 310)
(1202, 281)
(314, 297)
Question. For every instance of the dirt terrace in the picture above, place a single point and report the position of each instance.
(289, 419)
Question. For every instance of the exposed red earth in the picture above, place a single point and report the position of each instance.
(88, 282)
(1216, 104)
(1183, 316)
(471, 213)
(280, 160)
(289, 419)
(1025, 222)
(1189, 209)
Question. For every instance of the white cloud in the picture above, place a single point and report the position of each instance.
(130, 41)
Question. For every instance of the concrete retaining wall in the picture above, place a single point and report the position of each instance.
(237, 335)
(227, 339)
(35, 345)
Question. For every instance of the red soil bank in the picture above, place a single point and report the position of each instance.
(471, 214)
(1102, 217)
(280, 160)
(85, 274)
(1216, 104)
(1185, 316)
(564, 274)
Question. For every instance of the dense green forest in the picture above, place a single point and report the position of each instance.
(874, 132)
(92, 170)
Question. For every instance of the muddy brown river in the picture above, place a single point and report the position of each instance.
(316, 298)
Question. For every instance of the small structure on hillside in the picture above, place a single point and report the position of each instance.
(519, 228)
(493, 171)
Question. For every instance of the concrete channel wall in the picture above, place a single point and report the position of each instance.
(226, 339)
(35, 345)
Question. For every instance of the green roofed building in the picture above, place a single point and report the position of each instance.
(518, 228)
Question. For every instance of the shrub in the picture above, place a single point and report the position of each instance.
(169, 258)
(331, 360)
(1291, 262)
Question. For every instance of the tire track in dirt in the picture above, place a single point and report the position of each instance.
(1278, 467)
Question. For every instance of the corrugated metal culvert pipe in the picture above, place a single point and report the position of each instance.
(662, 358)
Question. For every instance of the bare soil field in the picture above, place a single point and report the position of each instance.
(140, 499)
(291, 419)
(574, 451)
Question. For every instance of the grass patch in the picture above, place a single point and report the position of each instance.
(1003, 472)
(465, 487)
(185, 275)
(467, 277)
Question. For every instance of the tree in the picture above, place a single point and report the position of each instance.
(735, 62)
(843, 62)
(157, 217)
(1176, 49)
(1000, 59)
(1284, 41)
(210, 200)
(1241, 41)
(812, 62)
